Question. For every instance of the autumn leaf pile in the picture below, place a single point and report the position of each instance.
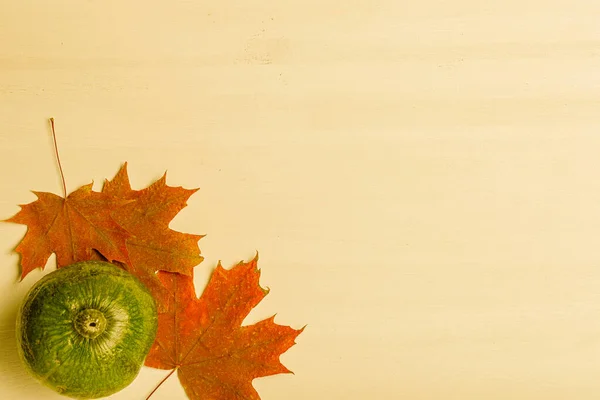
(201, 338)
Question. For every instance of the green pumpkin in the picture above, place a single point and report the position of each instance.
(84, 330)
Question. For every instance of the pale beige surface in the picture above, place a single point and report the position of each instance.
(421, 179)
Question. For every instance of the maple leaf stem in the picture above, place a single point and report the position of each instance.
(160, 383)
(62, 175)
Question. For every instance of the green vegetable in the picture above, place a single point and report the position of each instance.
(84, 330)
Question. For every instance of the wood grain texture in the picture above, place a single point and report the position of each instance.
(420, 179)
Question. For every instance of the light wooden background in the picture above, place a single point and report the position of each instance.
(421, 179)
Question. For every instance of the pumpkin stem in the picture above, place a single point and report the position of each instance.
(90, 323)
(160, 383)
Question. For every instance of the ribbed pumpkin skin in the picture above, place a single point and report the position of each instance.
(60, 331)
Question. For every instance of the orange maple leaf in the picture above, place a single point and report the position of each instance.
(72, 228)
(152, 245)
(129, 227)
(203, 340)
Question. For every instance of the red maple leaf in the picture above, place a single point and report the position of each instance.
(71, 228)
(202, 339)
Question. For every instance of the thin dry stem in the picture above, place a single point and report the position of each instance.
(160, 383)
(62, 175)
